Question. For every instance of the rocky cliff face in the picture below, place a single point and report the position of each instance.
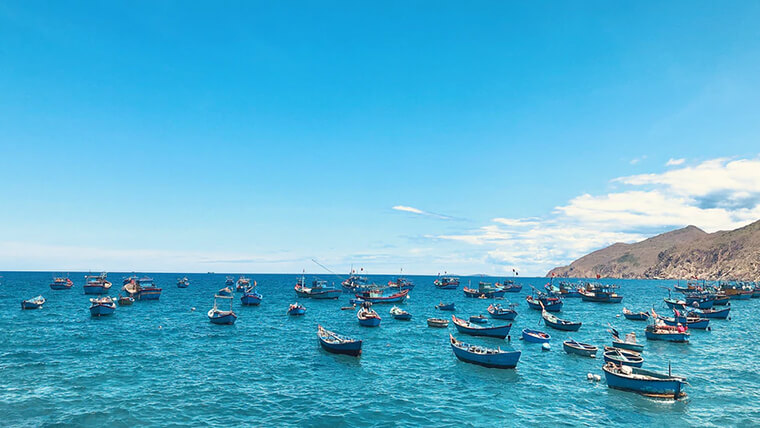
(682, 253)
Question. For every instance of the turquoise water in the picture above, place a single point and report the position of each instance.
(162, 364)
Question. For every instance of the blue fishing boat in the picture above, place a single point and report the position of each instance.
(250, 297)
(688, 319)
(102, 306)
(242, 283)
(378, 297)
(125, 300)
(701, 300)
(478, 319)
(401, 283)
(96, 284)
(721, 300)
(219, 316)
(498, 312)
(485, 290)
(296, 309)
(437, 322)
(446, 282)
(319, 290)
(660, 331)
(635, 316)
(501, 331)
(356, 283)
(400, 314)
(183, 283)
(626, 358)
(367, 316)
(510, 286)
(338, 344)
(600, 293)
(569, 290)
(226, 291)
(147, 290)
(33, 303)
(711, 313)
(583, 349)
(629, 343)
(644, 382)
(551, 304)
(681, 304)
(230, 280)
(482, 356)
(61, 283)
(445, 306)
(535, 336)
(559, 324)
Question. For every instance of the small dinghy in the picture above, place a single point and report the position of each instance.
(250, 297)
(102, 306)
(644, 382)
(61, 283)
(226, 291)
(183, 283)
(629, 343)
(482, 356)
(219, 316)
(478, 319)
(296, 309)
(126, 300)
(338, 344)
(711, 313)
(619, 356)
(445, 306)
(367, 316)
(660, 331)
(583, 349)
(559, 324)
(635, 316)
(437, 322)
(551, 304)
(400, 314)
(535, 336)
(498, 312)
(465, 327)
(33, 303)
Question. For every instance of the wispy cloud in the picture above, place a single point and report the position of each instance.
(418, 211)
(674, 162)
(634, 161)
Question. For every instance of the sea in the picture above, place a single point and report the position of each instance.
(162, 363)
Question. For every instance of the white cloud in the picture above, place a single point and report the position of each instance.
(634, 161)
(418, 211)
(674, 162)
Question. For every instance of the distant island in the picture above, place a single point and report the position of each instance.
(683, 253)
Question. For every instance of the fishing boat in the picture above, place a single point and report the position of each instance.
(551, 304)
(498, 312)
(296, 309)
(466, 327)
(569, 290)
(147, 290)
(219, 316)
(485, 290)
(230, 280)
(377, 297)
(125, 300)
(583, 349)
(61, 283)
(721, 300)
(437, 322)
(601, 293)
(535, 336)
(321, 291)
(242, 283)
(33, 303)
(691, 286)
(482, 356)
(626, 358)
(446, 282)
(102, 306)
(635, 316)
(478, 319)
(660, 331)
(356, 283)
(300, 287)
(445, 306)
(250, 297)
(226, 291)
(367, 316)
(400, 314)
(558, 323)
(183, 283)
(690, 320)
(338, 344)
(711, 313)
(96, 284)
(401, 283)
(644, 382)
(629, 343)
(702, 300)
(736, 290)
(510, 286)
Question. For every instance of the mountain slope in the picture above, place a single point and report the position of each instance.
(680, 253)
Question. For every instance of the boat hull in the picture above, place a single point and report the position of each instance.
(296, 312)
(582, 351)
(403, 317)
(601, 299)
(636, 347)
(149, 294)
(505, 315)
(507, 360)
(528, 336)
(102, 310)
(553, 306)
(665, 387)
(633, 362)
(60, 287)
(717, 313)
(668, 337)
(227, 319)
(500, 332)
(353, 349)
(369, 322)
(30, 305)
(636, 316)
(250, 300)
(487, 294)
(95, 289)
(445, 307)
(700, 324)
(326, 295)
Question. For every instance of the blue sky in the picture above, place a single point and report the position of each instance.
(253, 137)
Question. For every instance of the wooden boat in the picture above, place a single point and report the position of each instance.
(33, 303)
(721, 300)
(445, 306)
(482, 356)
(319, 290)
(338, 344)
(300, 287)
(485, 291)
(681, 304)
(478, 319)
(629, 343)
(696, 323)
(125, 300)
(250, 297)
(583, 349)
(102, 306)
(551, 304)
(226, 291)
(147, 290)
(498, 312)
(644, 382)
(437, 322)
(296, 309)
(367, 316)
(229, 281)
(96, 284)
(569, 290)
(446, 282)
(242, 283)
(711, 313)
(183, 283)
(401, 283)
(465, 327)
(219, 316)
(377, 297)
(667, 333)
(635, 316)
(535, 336)
(510, 286)
(600, 293)
(61, 283)
(617, 356)
(400, 314)
(559, 324)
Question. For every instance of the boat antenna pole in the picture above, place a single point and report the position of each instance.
(326, 268)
